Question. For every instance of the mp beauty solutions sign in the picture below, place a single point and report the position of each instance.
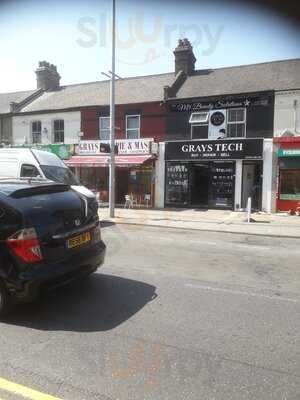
(125, 147)
(227, 149)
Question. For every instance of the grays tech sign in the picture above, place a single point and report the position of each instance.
(222, 149)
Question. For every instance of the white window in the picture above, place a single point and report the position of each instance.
(36, 131)
(199, 125)
(59, 131)
(132, 126)
(199, 117)
(236, 122)
(104, 128)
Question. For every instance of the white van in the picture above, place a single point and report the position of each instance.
(33, 163)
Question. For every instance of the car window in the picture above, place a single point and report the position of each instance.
(59, 174)
(29, 171)
(9, 220)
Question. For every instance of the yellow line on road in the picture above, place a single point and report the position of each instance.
(24, 391)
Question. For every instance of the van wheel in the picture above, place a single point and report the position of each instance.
(5, 300)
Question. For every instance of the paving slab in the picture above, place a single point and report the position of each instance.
(278, 225)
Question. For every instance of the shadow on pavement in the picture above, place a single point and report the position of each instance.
(105, 224)
(98, 303)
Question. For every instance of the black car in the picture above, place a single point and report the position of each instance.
(49, 235)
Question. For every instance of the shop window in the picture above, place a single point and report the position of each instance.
(236, 122)
(104, 125)
(199, 125)
(36, 131)
(59, 131)
(132, 126)
(177, 184)
(290, 184)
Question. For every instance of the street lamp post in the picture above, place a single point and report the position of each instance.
(112, 117)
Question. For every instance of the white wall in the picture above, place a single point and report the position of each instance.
(269, 177)
(160, 177)
(21, 127)
(284, 113)
(238, 185)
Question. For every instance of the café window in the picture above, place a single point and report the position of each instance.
(36, 131)
(236, 122)
(290, 184)
(59, 131)
(177, 184)
(133, 126)
(104, 125)
(199, 125)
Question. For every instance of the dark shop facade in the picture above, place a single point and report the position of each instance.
(219, 152)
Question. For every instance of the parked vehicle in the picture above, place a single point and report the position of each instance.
(49, 235)
(32, 163)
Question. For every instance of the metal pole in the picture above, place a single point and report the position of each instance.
(112, 118)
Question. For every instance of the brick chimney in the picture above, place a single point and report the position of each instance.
(47, 76)
(184, 57)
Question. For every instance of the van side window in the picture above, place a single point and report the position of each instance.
(29, 171)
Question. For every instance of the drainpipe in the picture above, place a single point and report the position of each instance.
(295, 116)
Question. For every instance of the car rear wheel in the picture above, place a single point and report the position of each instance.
(5, 300)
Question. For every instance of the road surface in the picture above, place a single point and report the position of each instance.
(179, 315)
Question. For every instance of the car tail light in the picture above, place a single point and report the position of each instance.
(97, 233)
(25, 244)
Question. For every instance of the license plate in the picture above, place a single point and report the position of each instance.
(79, 240)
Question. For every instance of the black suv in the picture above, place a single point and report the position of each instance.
(49, 235)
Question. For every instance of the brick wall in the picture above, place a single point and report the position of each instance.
(153, 120)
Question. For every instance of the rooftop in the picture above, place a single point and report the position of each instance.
(275, 75)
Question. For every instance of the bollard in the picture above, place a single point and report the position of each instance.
(249, 209)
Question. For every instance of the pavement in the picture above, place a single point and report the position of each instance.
(276, 225)
(172, 315)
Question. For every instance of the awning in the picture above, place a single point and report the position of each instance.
(98, 161)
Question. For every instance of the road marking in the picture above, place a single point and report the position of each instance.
(212, 289)
(24, 391)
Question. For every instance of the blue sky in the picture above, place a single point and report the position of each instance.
(75, 36)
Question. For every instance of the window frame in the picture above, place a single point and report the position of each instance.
(35, 133)
(195, 125)
(244, 122)
(199, 122)
(59, 131)
(31, 166)
(133, 129)
(102, 118)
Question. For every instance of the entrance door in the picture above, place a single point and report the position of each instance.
(199, 185)
(121, 184)
(252, 184)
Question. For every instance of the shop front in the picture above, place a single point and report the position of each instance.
(288, 193)
(135, 170)
(217, 174)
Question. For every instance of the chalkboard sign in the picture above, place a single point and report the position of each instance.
(177, 183)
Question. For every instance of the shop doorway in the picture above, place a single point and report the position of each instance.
(200, 177)
(252, 184)
(121, 185)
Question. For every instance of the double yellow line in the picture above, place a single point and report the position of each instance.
(23, 391)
